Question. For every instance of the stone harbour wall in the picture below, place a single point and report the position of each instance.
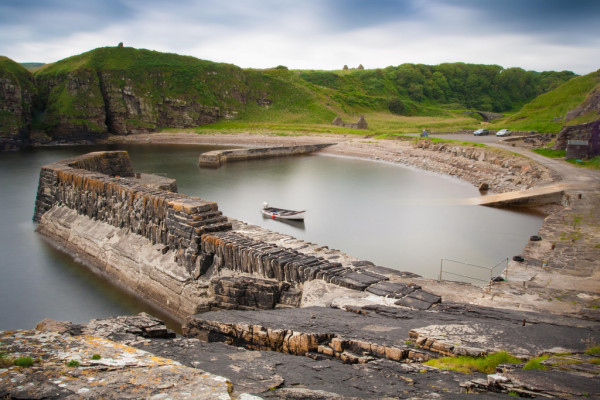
(95, 185)
(235, 252)
(216, 158)
(180, 253)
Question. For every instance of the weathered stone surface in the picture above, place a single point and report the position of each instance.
(444, 331)
(94, 185)
(589, 132)
(413, 303)
(357, 281)
(394, 290)
(558, 383)
(247, 292)
(127, 258)
(116, 372)
(216, 158)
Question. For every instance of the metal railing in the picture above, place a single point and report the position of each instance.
(493, 271)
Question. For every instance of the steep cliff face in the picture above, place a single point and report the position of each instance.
(124, 90)
(16, 98)
(72, 104)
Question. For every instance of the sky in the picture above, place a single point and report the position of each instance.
(539, 35)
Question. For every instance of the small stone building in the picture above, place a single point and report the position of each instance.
(360, 124)
(580, 141)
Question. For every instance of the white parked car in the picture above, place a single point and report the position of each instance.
(503, 132)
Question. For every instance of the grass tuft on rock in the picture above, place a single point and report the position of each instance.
(469, 365)
(536, 363)
(24, 362)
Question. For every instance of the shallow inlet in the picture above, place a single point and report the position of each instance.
(393, 216)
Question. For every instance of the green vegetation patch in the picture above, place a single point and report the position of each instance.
(595, 350)
(546, 112)
(536, 363)
(551, 153)
(73, 363)
(592, 163)
(24, 362)
(469, 365)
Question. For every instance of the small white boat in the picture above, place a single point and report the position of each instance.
(281, 213)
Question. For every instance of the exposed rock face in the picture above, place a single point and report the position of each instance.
(73, 104)
(589, 132)
(16, 101)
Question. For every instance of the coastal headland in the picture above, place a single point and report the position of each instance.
(365, 329)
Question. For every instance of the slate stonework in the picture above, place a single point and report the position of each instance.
(95, 185)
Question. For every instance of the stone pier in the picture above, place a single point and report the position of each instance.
(216, 158)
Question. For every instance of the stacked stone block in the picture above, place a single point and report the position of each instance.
(102, 193)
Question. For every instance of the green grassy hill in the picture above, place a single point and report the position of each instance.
(148, 90)
(547, 112)
(124, 90)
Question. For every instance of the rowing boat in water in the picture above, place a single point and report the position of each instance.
(281, 213)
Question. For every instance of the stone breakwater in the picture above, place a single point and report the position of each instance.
(180, 252)
(96, 185)
(216, 158)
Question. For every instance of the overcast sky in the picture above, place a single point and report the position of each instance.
(535, 35)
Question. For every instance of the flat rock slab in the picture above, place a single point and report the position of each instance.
(273, 375)
(471, 328)
(120, 372)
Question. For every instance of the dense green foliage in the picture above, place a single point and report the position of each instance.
(457, 85)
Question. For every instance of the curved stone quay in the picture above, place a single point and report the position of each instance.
(284, 318)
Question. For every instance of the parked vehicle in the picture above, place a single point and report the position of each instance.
(503, 132)
(481, 132)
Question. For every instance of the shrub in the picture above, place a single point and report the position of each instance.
(96, 356)
(73, 363)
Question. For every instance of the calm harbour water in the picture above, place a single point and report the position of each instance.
(391, 215)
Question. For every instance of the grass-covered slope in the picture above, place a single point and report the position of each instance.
(124, 90)
(547, 112)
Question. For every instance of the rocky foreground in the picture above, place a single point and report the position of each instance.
(137, 357)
